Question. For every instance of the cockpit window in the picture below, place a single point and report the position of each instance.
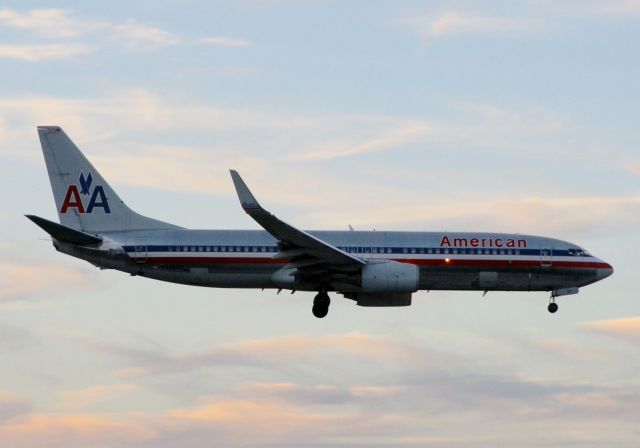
(579, 252)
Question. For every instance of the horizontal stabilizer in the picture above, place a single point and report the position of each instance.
(64, 233)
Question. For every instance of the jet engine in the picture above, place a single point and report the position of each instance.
(389, 277)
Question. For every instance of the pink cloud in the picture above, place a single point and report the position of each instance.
(71, 430)
(626, 328)
(23, 279)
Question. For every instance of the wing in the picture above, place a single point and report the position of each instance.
(308, 255)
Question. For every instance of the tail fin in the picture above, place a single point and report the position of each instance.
(85, 201)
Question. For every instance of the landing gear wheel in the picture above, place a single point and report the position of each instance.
(321, 305)
(553, 307)
(320, 311)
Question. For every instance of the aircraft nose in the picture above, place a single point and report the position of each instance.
(605, 271)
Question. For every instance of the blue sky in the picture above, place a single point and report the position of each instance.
(468, 115)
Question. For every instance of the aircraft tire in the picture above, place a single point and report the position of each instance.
(553, 307)
(320, 311)
(321, 305)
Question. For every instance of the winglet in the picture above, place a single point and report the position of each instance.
(247, 200)
(286, 233)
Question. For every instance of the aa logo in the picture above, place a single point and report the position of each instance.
(73, 198)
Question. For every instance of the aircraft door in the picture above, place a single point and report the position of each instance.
(141, 254)
(546, 257)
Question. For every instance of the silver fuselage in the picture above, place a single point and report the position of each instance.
(446, 260)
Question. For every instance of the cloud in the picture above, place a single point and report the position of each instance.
(72, 430)
(56, 23)
(558, 216)
(133, 34)
(237, 422)
(224, 42)
(62, 24)
(267, 353)
(261, 416)
(627, 328)
(327, 394)
(61, 28)
(15, 339)
(451, 23)
(101, 121)
(278, 420)
(83, 398)
(620, 8)
(566, 350)
(633, 168)
(129, 135)
(390, 391)
(37, 53)
(25, 280)
(12, 405)
(390, 140)
(175, 168)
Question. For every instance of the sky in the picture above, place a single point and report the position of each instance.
(493, 116)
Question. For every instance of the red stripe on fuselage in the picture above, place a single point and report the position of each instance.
(419, 262)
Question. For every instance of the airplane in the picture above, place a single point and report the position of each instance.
(372, 268)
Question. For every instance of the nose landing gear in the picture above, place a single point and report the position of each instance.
(553, 306)
(321, 305)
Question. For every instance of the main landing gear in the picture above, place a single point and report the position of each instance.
(321, 304)
(553, 306)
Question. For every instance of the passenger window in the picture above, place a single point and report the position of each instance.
(430, 251)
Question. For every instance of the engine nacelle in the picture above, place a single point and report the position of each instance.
(389, 277)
